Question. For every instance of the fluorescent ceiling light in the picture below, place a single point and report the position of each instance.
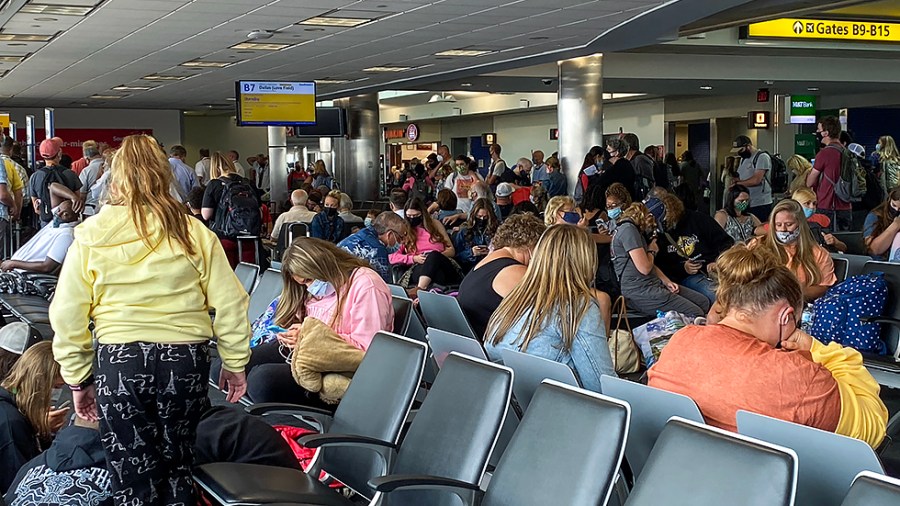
(196, 63)
(332, 81)
(59, 10)
(612, 96)
(11, 59)
(107, 97)
(441, 98)
(464, 52)
(24, 38)
(335, 21)
(156, 77)
(387, 68)
(133, 88)
(706, 88)
(260, 46)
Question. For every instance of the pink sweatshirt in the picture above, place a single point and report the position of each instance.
(367, 309)
(423, 245)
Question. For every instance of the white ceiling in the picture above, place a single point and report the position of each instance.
(121, 41)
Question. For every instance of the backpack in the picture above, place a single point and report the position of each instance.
(420, 189)
(238, 210)
(52, 175)
(837, 314)
(851, 186)
(875, 193)
(777, 176)
(642, 183)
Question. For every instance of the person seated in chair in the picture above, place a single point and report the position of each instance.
(378, 240)
(45, 252)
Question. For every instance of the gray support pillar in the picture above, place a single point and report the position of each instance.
(356, 157)
(580, 112)
(278, 192)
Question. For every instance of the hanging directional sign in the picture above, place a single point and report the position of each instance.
(828, 29)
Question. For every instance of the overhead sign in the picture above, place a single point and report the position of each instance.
(803, 109)
(412, 132)
(274, 103)
(827, 29)
(488, 139)
(762, 95)
(759, 119)
(554, 134)
(4, 122)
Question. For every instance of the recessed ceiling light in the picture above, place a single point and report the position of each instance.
(198, 63)
(108, 97)
(538, 38)
(60, 10)
(335, 21)
(157, 77)
(313, 29)
(133, 88)
(230, 98)
(464, 52)
(465, 85)
(260, 46)
(332, 81)
(387, 68)
(25, 38)
(11, 59)
(707, 88)
(46, 19)
(812, 88)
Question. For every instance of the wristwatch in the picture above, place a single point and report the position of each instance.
(83, 385)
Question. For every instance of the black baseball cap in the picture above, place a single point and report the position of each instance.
(740, 141)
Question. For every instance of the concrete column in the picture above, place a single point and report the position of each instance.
(356, 157)
(580, 112)
(277, 164)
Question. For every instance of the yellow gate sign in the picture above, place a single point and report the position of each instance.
(829, 29)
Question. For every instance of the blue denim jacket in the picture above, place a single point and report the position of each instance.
(589, 356)
(464, 254)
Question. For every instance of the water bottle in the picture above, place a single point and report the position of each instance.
(806, 318)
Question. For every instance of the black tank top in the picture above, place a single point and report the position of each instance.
(477, 297)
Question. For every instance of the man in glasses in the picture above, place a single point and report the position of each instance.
(375, 242)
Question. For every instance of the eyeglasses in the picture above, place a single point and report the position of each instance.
(400, 235)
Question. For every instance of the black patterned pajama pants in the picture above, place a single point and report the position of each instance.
(150, 398)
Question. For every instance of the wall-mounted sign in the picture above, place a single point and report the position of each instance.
(4, 121)
(759, 119)
(488, 139)
(762, 95)
(827, 29)
(803, 109)
(805, 145)
(554, 134)
(412, 132)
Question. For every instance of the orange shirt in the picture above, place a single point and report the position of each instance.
(79, 165)
(724, 370)
(822, 259)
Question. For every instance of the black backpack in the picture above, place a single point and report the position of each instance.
(777, 177)
(238, 210)
(51, 175)
(420, 189)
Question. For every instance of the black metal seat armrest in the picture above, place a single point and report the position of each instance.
(320, 416)
(326, 440)
(462, 489)
(880, 319)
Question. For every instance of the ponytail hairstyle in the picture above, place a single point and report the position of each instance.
(751, 280)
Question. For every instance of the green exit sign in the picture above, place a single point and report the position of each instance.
(803, 109)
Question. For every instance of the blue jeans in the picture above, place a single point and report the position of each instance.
(700, 283)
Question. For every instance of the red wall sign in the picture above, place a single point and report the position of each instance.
(74, 137)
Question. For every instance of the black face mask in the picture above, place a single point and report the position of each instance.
(415, 221)
(744, 153)
(820, 138)
(893, 213)
(481, 222)
(331, 212)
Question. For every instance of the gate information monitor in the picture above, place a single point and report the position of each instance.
(275, 103)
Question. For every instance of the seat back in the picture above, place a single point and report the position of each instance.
(443, 312)
(454, 432)
(398, 291)
(824, 478)
(402, 310)
(269, 286)
(443, 343)
(871, 489)
(855, 263)
(889, 333)
(841, 268)
(854, 240)
(701, 465)
(651, 409)
(247, 274)
(531, 371)
(376, 405)
(578, 460)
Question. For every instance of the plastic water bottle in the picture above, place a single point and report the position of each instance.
(806, 319)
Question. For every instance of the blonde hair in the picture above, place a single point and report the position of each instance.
(141, 179)
(888, 149)
(638, 214)
(556, 285)
(310, 258)
(554, 206)
(674, 209)
(31, 381)
(220, 165)
(319, 168)
(753, 279)
(804, 195)
(806, 244)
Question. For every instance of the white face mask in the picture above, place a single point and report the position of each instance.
(788, 237)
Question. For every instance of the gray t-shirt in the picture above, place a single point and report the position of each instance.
(627, 237)
(498, 168)
(760, 194)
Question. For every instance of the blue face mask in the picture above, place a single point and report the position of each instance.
(590, 171)
(614, 212)
(808, 212)
(368, 222)
(320, 289)
(571, 217)
(393, 249)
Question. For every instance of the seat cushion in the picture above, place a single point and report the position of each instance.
(254, 484)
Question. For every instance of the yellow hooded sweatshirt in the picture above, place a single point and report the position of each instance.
(135, 294)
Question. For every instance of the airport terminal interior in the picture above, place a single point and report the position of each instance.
(449, 252)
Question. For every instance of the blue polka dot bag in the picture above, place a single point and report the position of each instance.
(837, 313)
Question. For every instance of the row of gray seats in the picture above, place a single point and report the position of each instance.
(567, 449)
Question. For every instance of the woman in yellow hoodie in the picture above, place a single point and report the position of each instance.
(147, 274)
